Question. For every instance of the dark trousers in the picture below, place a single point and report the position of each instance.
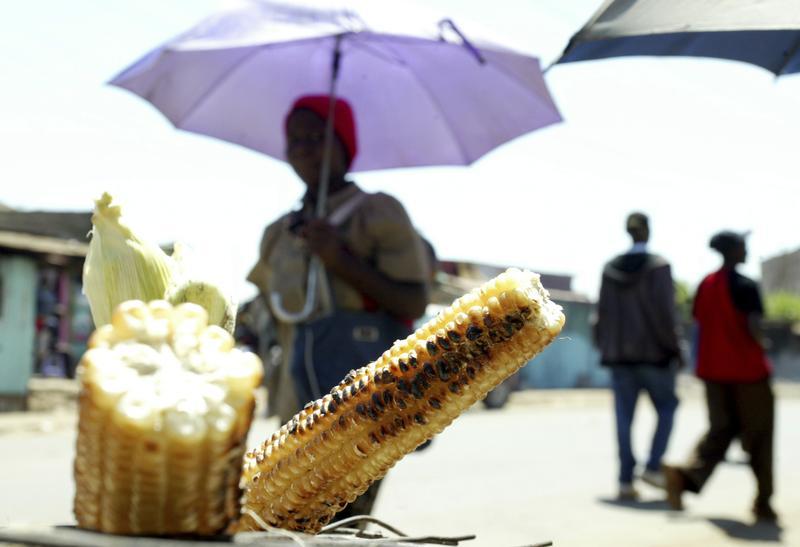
(746, 411)
(627, 382)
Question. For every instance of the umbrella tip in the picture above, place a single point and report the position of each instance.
(448, 23)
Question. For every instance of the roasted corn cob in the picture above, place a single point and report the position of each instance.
(165, 406)
(330, 452)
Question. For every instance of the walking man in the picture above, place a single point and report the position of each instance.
(732, 363)
(637, 335)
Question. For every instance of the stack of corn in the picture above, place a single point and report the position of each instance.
(329, 453)
(165, 406)
(166, 401)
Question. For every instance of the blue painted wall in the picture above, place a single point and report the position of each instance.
(571, 360)
(18, 279)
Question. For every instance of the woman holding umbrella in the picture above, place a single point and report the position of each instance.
(422, 101)
(375, 275)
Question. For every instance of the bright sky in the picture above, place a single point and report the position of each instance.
(699, 145)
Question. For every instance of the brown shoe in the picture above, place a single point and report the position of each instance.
(764, 512)
(674, 486)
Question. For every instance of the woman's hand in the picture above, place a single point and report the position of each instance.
(324, 241)
(406, 300)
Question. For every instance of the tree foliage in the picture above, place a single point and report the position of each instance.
(783, 306)
(683, 300)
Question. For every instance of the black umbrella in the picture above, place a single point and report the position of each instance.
(762, 32)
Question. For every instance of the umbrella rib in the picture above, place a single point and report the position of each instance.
(387, 41)
(514, 78)
(256, 50)
(402, 63)
(500, 69)
(210, 90)
(437, 103)
(368, 48)
(511, 76)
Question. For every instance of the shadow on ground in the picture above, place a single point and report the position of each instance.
(759, 531)
(639, 505)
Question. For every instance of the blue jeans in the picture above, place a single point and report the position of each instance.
(659, 383)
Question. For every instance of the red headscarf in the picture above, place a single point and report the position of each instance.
(344, 123)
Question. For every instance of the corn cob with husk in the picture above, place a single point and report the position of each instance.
(165, 406)
(122, 266)
(330, 452)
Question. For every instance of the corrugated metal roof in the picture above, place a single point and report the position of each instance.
(60, 225)
(42, 244)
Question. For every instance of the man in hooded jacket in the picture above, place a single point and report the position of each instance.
(637, 335)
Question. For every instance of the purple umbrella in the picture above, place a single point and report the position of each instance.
(417, 101)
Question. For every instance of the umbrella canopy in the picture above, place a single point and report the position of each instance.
(417, 101)
(762, 32)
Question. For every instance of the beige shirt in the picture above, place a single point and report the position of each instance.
(378, 231)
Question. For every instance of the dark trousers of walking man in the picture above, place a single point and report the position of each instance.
(736, 410)
(627, 383)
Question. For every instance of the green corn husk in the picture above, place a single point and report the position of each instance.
(120, 266)
(221, 310)
(192, 283)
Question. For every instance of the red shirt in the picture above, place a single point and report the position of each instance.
(726, 352)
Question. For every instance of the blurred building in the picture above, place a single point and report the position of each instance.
(571, 361)
(44, 317)
(781, 273)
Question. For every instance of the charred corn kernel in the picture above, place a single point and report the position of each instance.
(330, 452)
(165, 406)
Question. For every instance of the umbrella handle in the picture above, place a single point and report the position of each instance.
(327, 151)
(276, 302)
(315, 267)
